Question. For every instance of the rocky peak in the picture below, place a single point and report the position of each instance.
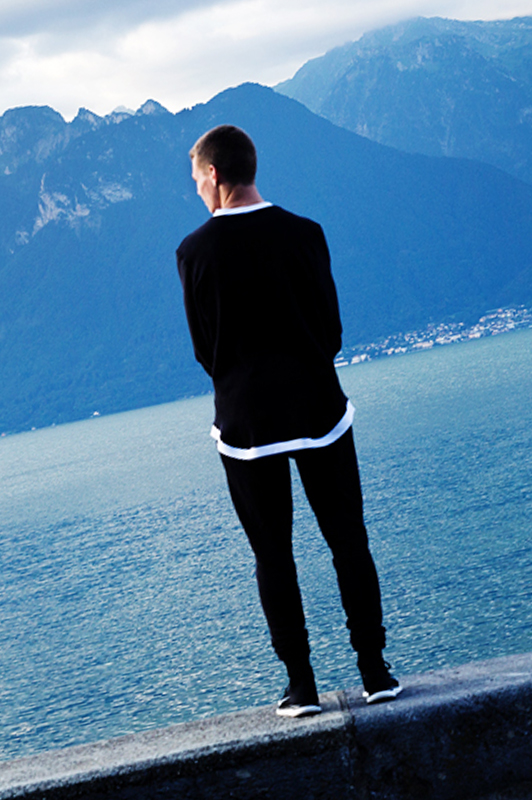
(152, 107)
(30, 133)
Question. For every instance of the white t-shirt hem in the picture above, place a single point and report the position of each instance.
(247, 454)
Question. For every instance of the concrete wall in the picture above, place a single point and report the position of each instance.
(455, 734)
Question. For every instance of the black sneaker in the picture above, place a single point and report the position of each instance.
(302, 701)
(379, 684)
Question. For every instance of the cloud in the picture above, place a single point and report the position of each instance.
(104, 53)
(28, 17)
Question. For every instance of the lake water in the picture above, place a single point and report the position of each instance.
(127, 593)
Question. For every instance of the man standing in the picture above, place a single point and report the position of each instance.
(263, 315)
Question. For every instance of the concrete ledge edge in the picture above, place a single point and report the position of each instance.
(453, 733)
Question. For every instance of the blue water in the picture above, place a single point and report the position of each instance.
(127, 592)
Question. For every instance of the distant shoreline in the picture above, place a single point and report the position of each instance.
(500, 320)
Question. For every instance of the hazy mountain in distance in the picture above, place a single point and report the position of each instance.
(432, 86)
(91, 212)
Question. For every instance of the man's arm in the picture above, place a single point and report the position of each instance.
(200, 319)
(324, 299)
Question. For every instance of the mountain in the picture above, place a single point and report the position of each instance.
(432, 86)
(91, 316)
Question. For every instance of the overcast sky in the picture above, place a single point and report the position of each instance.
(100, 54)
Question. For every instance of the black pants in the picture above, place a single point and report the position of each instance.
(262, 496)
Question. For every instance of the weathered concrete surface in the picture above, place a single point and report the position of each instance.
(455, 734)
(249, 754)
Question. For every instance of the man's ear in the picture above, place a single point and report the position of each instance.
(213, 175)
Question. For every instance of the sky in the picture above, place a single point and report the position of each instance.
(102, 54)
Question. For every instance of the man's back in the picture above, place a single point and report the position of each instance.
(263, 309)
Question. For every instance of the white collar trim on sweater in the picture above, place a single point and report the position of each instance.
(222, 212)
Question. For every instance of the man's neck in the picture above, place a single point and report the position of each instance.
(238, 195)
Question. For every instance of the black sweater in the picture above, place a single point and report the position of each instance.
(263, 315)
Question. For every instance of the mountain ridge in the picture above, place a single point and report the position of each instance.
(432, 86)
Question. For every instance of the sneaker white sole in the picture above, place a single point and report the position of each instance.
(380, 697)
(297, 711)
